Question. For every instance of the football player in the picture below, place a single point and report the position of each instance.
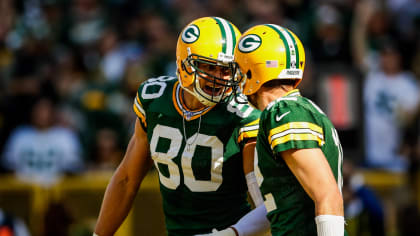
(196, 131)
(299, 156)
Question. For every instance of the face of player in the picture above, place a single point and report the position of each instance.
(210, 85)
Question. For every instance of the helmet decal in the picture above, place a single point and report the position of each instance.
(249, 43)
(269, 52)
(228, 35)
(191, 34)
(292, 52)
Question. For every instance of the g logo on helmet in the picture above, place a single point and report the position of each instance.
(191, 34)
(249, 43)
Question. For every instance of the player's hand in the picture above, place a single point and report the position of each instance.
(226, 232)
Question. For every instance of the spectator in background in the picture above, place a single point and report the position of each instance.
(42, 151)
(363, 210)
(390, 94)
(260, 12)
(330, 43)
(17, 100)
(370, 27)
(6, 56)
(107, 153)
(115, 55)
(12, 226)
(391, 97)
(160, 42)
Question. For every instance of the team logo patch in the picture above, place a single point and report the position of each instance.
(191, 34)
(249, 43)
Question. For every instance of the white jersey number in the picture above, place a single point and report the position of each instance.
(175, 137)
(160, 82)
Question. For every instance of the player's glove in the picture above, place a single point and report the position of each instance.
(226, 232)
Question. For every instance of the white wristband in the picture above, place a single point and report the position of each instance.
(253, 223)
(254, 189)
(329, 225)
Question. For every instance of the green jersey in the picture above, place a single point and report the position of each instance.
(199, 157)
(292, 122)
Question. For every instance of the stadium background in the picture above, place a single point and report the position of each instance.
(87, 58)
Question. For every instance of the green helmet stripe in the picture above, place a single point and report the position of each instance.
(285, 45)
(226, 35)
(296, 47)
(222, 30)
(233, 37)
(289, 44)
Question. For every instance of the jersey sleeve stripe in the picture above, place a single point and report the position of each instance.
(296, 125)
(255, 122)
(297, 131)
(137, 107)
(248, 132)
(296, 137)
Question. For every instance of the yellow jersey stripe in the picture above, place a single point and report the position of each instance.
(249, 134)
(138, 100)
(255, 122)
(139, 106)
(139, 114)
(296, 125)
(296, 131)
(249, 131)
(299, 137)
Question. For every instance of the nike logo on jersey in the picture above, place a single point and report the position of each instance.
(278, 118)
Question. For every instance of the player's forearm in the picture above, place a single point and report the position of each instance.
(124, 184)
(116, 205)
(329, 213)
(329, 203)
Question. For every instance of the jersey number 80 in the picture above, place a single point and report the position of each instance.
(175, 137)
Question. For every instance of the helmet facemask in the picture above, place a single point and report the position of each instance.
(208, 88)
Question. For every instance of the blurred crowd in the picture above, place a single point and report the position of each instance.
(70, 69)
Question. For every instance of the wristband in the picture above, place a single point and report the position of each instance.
(329, 225)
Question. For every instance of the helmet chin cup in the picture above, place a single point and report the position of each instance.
(203, 100)
(202, 96)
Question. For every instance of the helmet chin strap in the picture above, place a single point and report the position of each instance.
(197, 91)
(200, 94)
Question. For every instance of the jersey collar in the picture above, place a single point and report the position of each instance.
(293, 93)
(182, 109)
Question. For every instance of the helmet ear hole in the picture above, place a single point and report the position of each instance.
(249, 74)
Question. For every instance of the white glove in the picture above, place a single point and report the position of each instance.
(226, 232)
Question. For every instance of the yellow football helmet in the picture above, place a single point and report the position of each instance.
(208, 40)
(267, 52)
